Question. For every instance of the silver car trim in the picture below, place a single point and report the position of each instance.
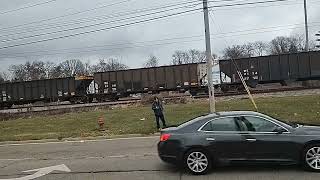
(251, 140)
(245, 132)
(210, 139)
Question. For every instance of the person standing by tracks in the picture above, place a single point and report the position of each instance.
(158, 112)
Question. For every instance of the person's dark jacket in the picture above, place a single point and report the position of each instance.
(157, 108)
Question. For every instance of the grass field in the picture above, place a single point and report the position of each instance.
(128, 121)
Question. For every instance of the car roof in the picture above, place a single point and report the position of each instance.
(231, 113)
(220, 114)
(237, 113)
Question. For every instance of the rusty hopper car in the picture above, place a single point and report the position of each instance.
(150, 80)
(273, 69)
(47, 90)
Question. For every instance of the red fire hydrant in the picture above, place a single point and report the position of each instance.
(101, 123)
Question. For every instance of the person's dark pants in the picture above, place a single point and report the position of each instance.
(160, 116)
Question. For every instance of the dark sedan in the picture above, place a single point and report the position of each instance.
(239, 136)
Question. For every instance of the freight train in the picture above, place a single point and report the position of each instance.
(111, 85)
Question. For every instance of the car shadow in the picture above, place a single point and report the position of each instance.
(257, 168)
(244, 169)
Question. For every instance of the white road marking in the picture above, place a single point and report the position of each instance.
(93, 157)
(80, 141)
(22, 159)
(42, 172)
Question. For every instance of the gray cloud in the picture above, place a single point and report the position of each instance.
(226, 20)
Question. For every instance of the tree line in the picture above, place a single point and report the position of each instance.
(36, 70)
(278, 45)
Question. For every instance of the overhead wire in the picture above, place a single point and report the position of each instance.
(133, 23)
(272, 28)
(27, 7)
(93, 25)
(49, 19)
(85, 20)
(68, 14)
(80, 22)
(101, 29)
(136, 44)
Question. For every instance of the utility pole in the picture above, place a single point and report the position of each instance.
(306, 25)
(209, 57)
(318, 34)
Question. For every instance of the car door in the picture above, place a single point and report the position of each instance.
(263, 143)
(223, 138)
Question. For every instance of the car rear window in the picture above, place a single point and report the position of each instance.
(191, 121)
(221, 124)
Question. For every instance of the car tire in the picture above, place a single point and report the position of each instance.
(311, 158)
(197, 161)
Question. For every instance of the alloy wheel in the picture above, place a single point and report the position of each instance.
(197, 162)
(313, 158)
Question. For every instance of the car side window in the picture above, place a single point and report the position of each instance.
(256, 124)
(221, 124)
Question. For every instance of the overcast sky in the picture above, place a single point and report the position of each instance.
(133, 44)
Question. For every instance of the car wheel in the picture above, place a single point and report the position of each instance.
(197, 161)
(312, 157)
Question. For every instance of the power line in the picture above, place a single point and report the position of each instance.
(92, 25)
(63, 25)
(79, 12)
(84, 20)
(69, 14)
(135, 44)
(269, 5)
(248, 3)
(136, 22)
(26, 7)
(102, 29)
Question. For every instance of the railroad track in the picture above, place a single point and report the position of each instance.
(61, 107)
(257, 91)
(135, 100)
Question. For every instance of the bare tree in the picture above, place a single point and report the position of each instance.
(101, 66)
(18, 72)
(151, 62)
(196, 56)
(72, 67)
(57, 72)
(248, 49)
(190, 56)
(36, 70)
(237, 51)
(313, 45)
(87, 69)
(282, 45)
(29, 71)
(115, 65)
(49, 69)
(1, 78)
(5, 76)
(180, 57)
(260, 48)
(111, 65)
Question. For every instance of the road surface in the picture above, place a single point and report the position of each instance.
(119, 159)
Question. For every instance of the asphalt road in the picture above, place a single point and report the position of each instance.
(120, 159)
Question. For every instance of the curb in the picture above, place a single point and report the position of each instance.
(79, 139)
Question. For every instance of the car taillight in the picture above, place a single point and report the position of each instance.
(164, 137)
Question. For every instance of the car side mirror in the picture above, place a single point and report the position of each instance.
(280, 130)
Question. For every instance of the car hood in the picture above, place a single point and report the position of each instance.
(309, 129)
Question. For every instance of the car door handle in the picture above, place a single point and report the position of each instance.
(251, 140)
(210, 139)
